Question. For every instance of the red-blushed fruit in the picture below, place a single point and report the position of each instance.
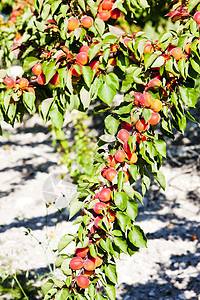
(127, 148)
(105, 195)
(110, 174)
(82, 281)
(89, 264)
(88, 273)
(84, 49)
(137, 97)
(74, 72)
(120, 156)
(107, 5)
(73, 23)
(81, 252)
(177, 53)
(55, 80)
(126, 176)
(112, 61)
(126, 40)
(140, 137)
(103, 172)
(132, 157)
(94, 65)
(76, 263)
(9, 82)
(82, 58)
(41, 79)
(123, 135)
(187, 48)
(126, 126)
(97, 220)
(92, 229)
(98, 261)
(148, 48)
(23, 82)
(112, 161)
(154, 82)
(87, 21)
(111, 216)
(155, 118)
(30, 89)
(16, 13)
(145, 100)
(156, 105)
(96, 196)
(37, 69)
(141, 125)
(115, 13)
(99, 207)
(104, 15)
(197, 17)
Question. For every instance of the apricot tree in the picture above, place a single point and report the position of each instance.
(74, 53)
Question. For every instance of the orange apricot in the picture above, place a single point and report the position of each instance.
(23, 82)
(81, 252)
(126, 125)
(37, 69)
(104, 15)
(41, 79)
(177, 53)
(141, 125)
(9, 82)
(197, 17)
(115, 13)
(107, 5)
(73, 23)
(99, 207)
(156, 105)
(82, 58)
(112, 161)
(87, 22)
(55, 80)
(120, 156)
(76, 263)
(155, 118)
(82, 281)
(110, 174)
(132, 157)
(105, 195)
(145, 100)
(123, 135)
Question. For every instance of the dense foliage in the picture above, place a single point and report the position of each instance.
(73, 55)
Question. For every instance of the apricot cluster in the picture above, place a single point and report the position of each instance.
(73, 23)
(106, 11)
(19, 85)
(37, 71)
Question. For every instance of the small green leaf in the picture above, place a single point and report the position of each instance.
(75, 206)
(132, 209)
(110, 272)
(121, 243)
(121, 200)
(65, 267)
(159, 176)
(112, 124)
(160, 146)
(137, 237)
(29, 62)
(65, 241)
(47, 286)
(110, 291)
(88, 75)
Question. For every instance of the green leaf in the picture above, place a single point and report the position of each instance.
(62, 295)
(11, 112)
(44, 108)
(189, 96)
(91, 291)
(29, 62)
(49, 69)
(29, 102)
(111, 39)
(159, 176)
(110, 291)
(85, 97)
(82, 4)
(146, 114)
(123, 108)
(133, 170)
(106, 93)
(123, 220)
(192, 4)
(56, 115)
(160, 146)
(158, 62)
(132, 209)
(47, 286)
(112, 124)
(88, 75)
(137, 237)
(65, 267)
(138, 196)
(75, 206)
(65, 241)
(110, 272)
(129, 190)
(121, 243)
(120, 180)
(100, 26)
(121, 200)
(94, 50)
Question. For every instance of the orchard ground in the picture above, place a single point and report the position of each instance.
(168, 269)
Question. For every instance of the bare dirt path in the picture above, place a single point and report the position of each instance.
(168, 269)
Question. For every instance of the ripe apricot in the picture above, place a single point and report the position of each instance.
(141, 125)
(126, 126)
(112, 61)
(120, 156)
(197, 17)
(94, 65)
(187, 48)
(105, 195)
(87, 21)
(115, 13)
(127, 148)
(104, 15)
(98, 261)
(103, 172)
(55, 80)
(148, 48)
(74, 72)
(107, 5)
(82, 58)
(96, 222)
(9, 82)
(110, 174)
(111, 216)
(154, 82)
(84, 48)
(137, 97)
(73, 23)
(155, 118)
(123, 135)
(88, 273)
(156, 105)
(89, 264)
(37, 69)
(132, 157)
(177, 53)
(76, 263)
(30, 89)
(99, 207)
(140, 137)
(126, 176)
(145, 100)
(112, 161)
(23, 82)
(41, 79)
(82, 281)
(81, 252)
